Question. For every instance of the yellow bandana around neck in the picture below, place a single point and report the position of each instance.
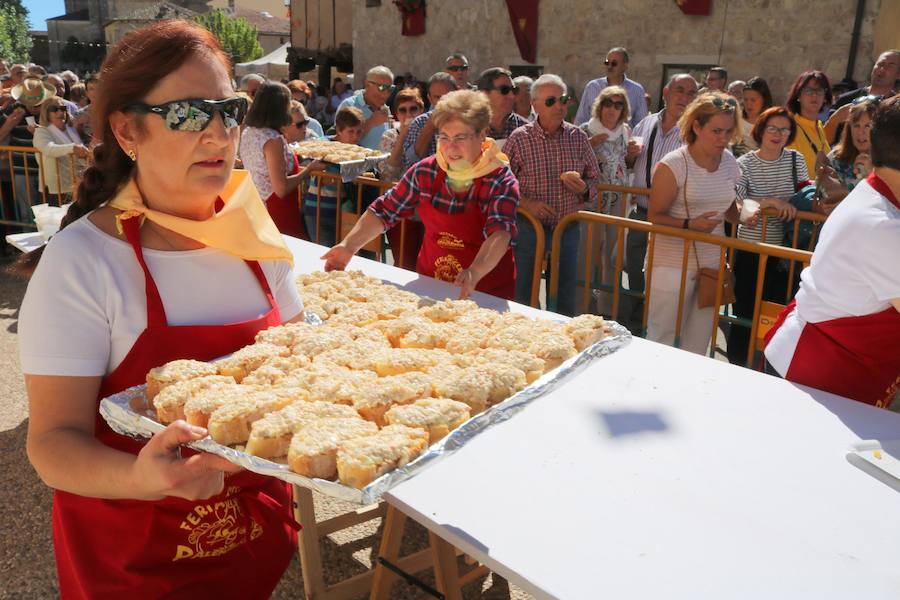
(243, 227)
(460, 177)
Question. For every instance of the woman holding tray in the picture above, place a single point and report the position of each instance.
(265, 153)
(166, 254)
(467, 198)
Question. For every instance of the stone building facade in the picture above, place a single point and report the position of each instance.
(776, 39)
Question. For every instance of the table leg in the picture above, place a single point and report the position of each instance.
(308, 544)
(391, 537)
(446, 570)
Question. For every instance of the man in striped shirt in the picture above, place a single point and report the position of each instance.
(660, 135)
(540, 153)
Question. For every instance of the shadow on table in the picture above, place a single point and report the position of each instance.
(866, 421)
(629, 422)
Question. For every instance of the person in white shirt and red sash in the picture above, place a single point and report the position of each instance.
(841, 333)
(467, 197)
(165, 254)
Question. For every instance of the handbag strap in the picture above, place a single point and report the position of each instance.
(794, 167)
(687, 211)
(650, 150)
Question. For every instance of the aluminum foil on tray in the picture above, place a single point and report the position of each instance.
(128, 414)
(351, 169)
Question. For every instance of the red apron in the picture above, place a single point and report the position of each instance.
(285, 212)
(452, 241)
(234, 545)
(855, 357)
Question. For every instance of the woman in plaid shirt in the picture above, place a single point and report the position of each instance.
(467, 198)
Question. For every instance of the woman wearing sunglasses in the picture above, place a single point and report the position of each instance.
(608, 133)
(466, 196)
(408, 105)
(810, 92)
(165, 254)
(62, 151)
(692, 188)
(265, 153)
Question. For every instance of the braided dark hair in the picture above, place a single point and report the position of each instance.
(128, 74)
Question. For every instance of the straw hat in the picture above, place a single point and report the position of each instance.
(32, 91)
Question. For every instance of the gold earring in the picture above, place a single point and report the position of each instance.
(132, 155)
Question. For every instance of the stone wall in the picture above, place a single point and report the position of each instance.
(777, 39)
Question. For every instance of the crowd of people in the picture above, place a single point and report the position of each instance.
(160, 204)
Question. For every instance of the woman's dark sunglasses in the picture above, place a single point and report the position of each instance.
(62, 109)
(195, 114)
(506, 89)
(301, 124)
(564, 99)
(611, 63)
(458, 68)
(617, 104)
(405, 110)
(728, 103)
(876, 100)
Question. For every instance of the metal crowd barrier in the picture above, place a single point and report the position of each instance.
(23, 183)
(726, 245)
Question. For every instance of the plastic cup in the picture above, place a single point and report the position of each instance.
(748, 209)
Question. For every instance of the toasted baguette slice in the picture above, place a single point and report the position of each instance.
(402, 360)
(230, 423)
(174, 371)
(470, 385)
(448, 310)
(341, 386)
(374, 399)
(437, 416)
(362, 460)
(527, 362)
(275, 369)
(506, 380)
(283, 335)
(313, 448)
(553, 347)
(169, 403)
(248, 359)
(321, 339)
(200, 406)
(270, 437)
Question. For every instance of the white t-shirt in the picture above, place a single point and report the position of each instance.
(853, 271)
(86, 306)
(706, 192)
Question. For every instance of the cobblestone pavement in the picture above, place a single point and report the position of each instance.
(26, 553)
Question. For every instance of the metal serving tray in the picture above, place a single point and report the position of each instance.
(128, 414)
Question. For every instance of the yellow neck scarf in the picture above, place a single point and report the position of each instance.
(461, 173)
(242, 228)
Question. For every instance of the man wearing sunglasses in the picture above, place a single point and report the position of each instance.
(616, 64)
(496, 83)
(371, 100)
(558, 175)
(420, 139)
(458, 68)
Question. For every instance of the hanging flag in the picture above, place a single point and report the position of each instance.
(523, 15)
(694, 7)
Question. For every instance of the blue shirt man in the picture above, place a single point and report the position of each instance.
(616, 66)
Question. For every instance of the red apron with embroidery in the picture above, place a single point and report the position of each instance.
(285, 212)
(855, 357)
(234, 545)
(452, 241)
